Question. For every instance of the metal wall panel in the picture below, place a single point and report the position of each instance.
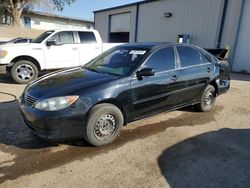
(199, 18)
(241, 61)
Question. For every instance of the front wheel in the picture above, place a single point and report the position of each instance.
(24, 71)
(208, 99)
(104, 124)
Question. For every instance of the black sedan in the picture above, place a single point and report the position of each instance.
(124, 84)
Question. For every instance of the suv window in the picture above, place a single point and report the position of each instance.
(64, 37)
(162, 60)
(189, 56)
(87, 37)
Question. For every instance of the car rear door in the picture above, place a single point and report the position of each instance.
(89, 46)
(195, 70)
(155, 93)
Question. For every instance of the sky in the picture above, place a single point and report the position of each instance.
(83, 9)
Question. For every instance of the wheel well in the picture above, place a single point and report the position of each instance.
(28, 58)
(214, 84)
(118, 105)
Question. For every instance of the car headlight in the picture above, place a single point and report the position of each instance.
(57, 103)
(3, 53)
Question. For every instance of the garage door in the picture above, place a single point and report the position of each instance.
(120, 23)
(241, 61)
(119, 28)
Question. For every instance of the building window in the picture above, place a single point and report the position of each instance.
(5, 18)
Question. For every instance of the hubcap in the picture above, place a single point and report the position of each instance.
(208, 99)
(105, 126)
(25, 72)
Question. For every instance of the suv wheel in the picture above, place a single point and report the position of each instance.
(24, 71)
(208, 99)
(104, 124)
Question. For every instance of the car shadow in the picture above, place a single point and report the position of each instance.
(5, 78)
(214, 159)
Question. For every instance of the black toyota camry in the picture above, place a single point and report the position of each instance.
(124, 84)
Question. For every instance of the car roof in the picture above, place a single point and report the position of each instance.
(153, 45)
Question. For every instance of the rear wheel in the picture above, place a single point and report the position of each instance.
(208, 99)
(104, 124)
(24, 71)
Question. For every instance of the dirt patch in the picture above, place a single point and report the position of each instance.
(31, 161)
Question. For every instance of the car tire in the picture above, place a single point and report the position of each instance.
(208, 99)
(24, 71)
(104, 124)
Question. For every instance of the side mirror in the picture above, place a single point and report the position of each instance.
(51, 42)
(145, 72)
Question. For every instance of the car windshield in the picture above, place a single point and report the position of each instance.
(12, 40)
(117, 61)
(41, 37)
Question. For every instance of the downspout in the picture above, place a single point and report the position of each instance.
(222, 23)
(136, 21)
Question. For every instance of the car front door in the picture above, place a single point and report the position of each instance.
(151, 94)
(89, 48)
(63, 53)
(195, 70)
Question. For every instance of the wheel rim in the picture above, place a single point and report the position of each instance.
(24, 72)
(105, 127)
(208, 99)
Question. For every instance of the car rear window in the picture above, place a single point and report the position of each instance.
(87, 37)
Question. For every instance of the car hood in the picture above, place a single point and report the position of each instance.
(66, 82)
(20, 45)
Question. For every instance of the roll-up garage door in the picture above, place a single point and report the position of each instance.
(120, 23)
(241, 62)
(120, 27)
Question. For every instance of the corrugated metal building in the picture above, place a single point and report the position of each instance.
(210, 24)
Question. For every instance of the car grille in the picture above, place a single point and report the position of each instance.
(29, 100)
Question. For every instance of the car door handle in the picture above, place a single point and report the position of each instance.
(208, 69)
(75, 48)
(174, 78)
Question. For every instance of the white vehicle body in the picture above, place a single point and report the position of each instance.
(57, 49)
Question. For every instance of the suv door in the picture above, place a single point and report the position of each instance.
(155, 93)
(64, 53)
(88, 46)
(195, 70)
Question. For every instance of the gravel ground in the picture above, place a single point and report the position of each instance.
(178, 149)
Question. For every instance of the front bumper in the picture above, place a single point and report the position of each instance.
(53, 125)
(3, 69)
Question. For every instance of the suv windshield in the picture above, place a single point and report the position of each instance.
(41, 37)
(117, 61)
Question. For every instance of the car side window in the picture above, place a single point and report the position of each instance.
(87, 37)
(162, 60)
(64, 37)
(189, 56)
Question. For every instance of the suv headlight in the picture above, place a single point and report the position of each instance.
(3, 53)
(55, 104)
